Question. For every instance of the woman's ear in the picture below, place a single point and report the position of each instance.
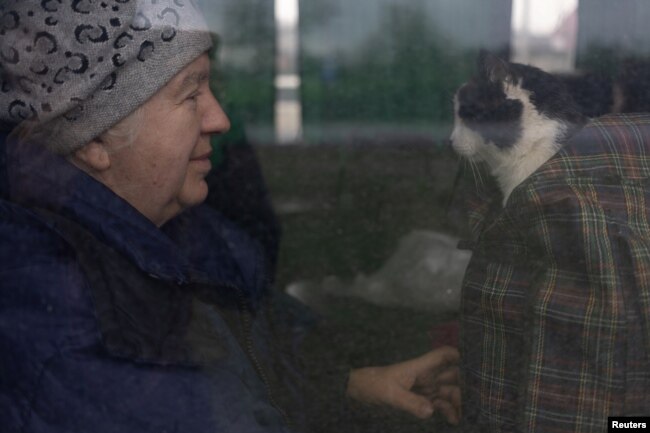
(93, 157)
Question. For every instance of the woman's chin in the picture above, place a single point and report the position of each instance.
(195, 195)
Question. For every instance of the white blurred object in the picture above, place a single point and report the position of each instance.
(424, 273)
(288, 104)
(545, 33)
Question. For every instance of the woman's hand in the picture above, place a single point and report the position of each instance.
(420, 386)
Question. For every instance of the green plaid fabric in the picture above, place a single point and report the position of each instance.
(555, 330)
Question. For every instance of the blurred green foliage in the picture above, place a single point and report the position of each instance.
(246, 60)
(403, 72)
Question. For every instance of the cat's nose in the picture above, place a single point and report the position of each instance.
(452, 137)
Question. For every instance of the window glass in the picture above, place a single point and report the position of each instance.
(416, 173)
(365, 186)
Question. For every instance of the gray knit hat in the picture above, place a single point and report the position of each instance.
(75, 68)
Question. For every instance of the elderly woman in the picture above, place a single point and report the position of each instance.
(125, 306)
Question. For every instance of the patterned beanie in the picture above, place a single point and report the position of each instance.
(74, 68)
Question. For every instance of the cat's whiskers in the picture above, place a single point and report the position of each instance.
(476, 173)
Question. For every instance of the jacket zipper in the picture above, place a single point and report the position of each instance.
(250, 350)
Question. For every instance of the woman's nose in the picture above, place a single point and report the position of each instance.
(215, 120)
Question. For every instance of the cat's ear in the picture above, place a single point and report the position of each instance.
(492, 68)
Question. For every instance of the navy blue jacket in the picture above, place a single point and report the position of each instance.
(110, 324)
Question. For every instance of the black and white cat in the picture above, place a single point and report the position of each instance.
(514, 118)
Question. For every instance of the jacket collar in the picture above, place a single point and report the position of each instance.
(185, 250)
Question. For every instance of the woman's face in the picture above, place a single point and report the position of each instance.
(163, 171)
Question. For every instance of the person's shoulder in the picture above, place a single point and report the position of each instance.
(31, 250)
(45, 307)
(23, 231)
(620, 120)
(614, 145)
(41, 281)
(608, 152)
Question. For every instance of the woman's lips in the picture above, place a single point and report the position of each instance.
(205, 156)
(202, 163)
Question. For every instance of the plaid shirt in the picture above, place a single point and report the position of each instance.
(556, 300)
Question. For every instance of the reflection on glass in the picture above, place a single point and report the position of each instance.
(544, 33)
(288, 110)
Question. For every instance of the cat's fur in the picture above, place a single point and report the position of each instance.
(514, 118)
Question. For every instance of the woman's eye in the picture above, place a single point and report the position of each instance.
(193, 97)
